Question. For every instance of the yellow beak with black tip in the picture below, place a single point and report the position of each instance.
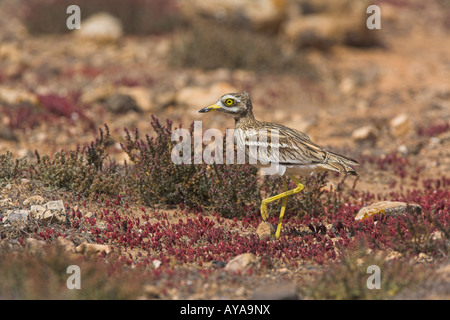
(210, 108)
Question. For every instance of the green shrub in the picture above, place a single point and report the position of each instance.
(226, 189)
(11, 169)
(84, 171)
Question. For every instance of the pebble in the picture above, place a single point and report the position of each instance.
(156, 263)
(52, 211)
(391, 208)
(17, 215)
(265, 230)
(121, 103)
(101, 27)
(366, 133)
(400, 125)
(242, 263)
(92, 249)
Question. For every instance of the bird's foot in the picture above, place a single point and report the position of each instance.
(264, 214)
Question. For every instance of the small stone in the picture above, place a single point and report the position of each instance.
(37, 210)
(242, 263)
(57, 205)
(265, 230)
(400, 125)
(156, 263)
(14, 96)
(403, 149)
(141, 96)
(101, 27)
(52, 211)
(391, 208)
(17, 215)
(92, 249)
(121, 103)
(366, 133)
(97, 94)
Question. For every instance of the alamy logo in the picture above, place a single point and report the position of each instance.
(374, 281)
(74, 20)
(260, 146)
(374, 21)
(74, 281)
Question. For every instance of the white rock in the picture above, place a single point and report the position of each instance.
(156, 263)
(50, 212)
(37, 210)
(56, 205)
(400, 125)
(102, 27)
(242, 262)
(141, 95)
(92, 249)
(17, 215)
(16, 96)
(265, 230)
(366, 133)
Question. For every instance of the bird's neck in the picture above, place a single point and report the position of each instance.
(244, 119)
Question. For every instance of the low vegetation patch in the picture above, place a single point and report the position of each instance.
(152, 211)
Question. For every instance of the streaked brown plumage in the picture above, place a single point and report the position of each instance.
(292, 151)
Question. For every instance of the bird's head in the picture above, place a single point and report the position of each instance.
(234, 104)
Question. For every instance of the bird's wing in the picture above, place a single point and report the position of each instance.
(277, 143)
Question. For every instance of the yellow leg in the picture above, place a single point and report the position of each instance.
(283, 209)
(283, 195)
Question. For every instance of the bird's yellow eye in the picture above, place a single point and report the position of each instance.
(229, 102)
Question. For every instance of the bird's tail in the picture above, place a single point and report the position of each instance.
(340, 163)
